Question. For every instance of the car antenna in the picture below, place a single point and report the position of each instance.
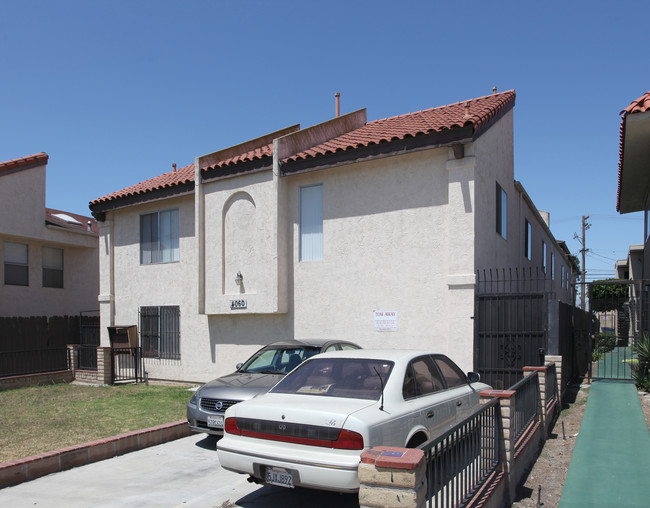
(381, 408)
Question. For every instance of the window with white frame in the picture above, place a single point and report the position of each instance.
(311, 223)
(160, 332)
(159, 237)
(552, 265)
(544, 256)
(528, 237)
(502, 212)
(52, 267)
(16, 261)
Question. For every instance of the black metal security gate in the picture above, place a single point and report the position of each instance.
(619, 309)
(510, 334)
(88, 339)
(128, 365)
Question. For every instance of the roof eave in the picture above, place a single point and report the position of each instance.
(634, 174)
(429, 141)
(99, 209)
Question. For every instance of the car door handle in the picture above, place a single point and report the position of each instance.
(459, 402)
(430, 414)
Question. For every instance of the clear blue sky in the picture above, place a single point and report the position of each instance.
(116, 91)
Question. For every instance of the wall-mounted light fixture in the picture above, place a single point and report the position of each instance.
(239, 279)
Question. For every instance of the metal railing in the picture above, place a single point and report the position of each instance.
(128, 364)
(460, 461)
(550, 386)
(87, 357)
(524, 409)
(33, 361)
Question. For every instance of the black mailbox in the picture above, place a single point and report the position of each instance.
(123, 336)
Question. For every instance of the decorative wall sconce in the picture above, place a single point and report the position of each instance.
(239, 279)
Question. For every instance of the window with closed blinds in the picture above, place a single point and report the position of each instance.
(52, 267)
(159, 237)
(311, 223)
(16, 264)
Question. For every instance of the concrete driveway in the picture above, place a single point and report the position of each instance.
(185, 472)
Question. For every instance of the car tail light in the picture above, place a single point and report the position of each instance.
(348, 440)
(230, 426)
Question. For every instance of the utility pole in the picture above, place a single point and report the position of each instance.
(585, 227)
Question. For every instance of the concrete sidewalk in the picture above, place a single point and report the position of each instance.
(610, 465)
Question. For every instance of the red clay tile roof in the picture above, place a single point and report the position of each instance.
(171, 179)
(78, 222)
(640, 105)
(257, 153)
(31, 160)
(475, 112)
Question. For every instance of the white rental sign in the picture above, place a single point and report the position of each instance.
(385, 320)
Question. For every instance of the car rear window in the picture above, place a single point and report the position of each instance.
(278, 360)
(356, 378)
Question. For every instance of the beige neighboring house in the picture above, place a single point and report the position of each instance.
(50, 262)
(366, 231)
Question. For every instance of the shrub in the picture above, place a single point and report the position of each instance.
(641, 370)
(603, 343)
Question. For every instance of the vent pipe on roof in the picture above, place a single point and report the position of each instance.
(174, 166)
(467, 115)
(338, 104)
(494, 90)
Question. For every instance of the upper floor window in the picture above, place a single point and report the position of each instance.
(544, 256)
(52, 267)
(16, 264)
(502, 212)
(552, 265)
(528, 236)
(159, 237)
(311, 223)
(562, 277)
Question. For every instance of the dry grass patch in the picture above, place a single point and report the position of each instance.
(44, 418)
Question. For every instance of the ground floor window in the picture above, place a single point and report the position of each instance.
(160, 332)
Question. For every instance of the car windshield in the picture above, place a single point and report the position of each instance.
(355, 378)
(278, 359)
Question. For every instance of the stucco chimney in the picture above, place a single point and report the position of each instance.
(338, 104)
(174, 166)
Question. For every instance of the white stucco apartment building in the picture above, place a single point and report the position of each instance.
(366, 231)
(49, 257)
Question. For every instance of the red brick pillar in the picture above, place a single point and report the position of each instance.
(392, 477)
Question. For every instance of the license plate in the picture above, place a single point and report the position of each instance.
(279, 476)
(215, 421)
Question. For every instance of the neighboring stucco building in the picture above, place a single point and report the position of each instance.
(634, 168)
(50, 261)
(366, 231)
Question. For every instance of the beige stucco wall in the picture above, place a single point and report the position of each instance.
(22, 220)
(494, 153)
(135, 285)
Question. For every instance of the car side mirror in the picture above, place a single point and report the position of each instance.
(239, 365)
(473, 377)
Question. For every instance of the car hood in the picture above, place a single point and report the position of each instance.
(239, 386)
(301, 409)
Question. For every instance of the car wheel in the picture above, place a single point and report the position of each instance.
(416, 441)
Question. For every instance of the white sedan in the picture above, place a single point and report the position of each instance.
(311, 428)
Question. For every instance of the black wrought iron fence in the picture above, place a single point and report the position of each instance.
(33, 361)
(463, 459)
(524, 408)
